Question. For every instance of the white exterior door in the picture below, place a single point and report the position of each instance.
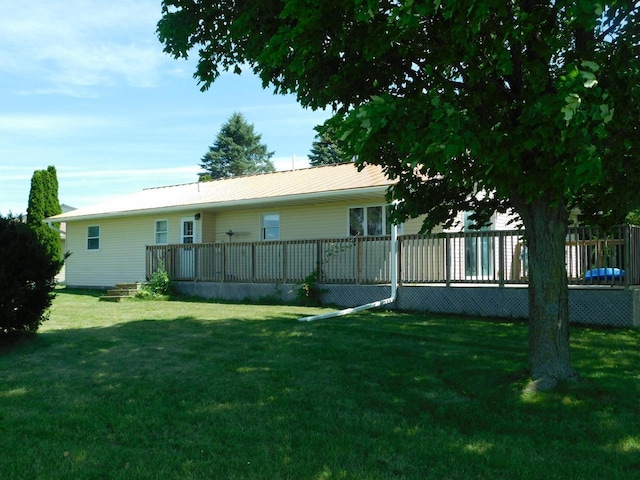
(187, 257)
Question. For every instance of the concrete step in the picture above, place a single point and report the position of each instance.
(120, 291)
(128, 286)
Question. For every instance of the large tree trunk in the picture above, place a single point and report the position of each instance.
(546, 226)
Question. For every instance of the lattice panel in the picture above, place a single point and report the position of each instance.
(605, 306)
(354, 295)
(481, 301)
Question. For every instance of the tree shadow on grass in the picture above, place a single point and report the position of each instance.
(85, 292)
(358, 397)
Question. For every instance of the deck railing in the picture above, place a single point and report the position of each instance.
(482, 257)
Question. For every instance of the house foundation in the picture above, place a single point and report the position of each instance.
(593, 305)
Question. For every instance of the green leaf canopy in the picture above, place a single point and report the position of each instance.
(524, 99)
(523, 105)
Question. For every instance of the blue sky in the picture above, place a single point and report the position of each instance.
(85, 86)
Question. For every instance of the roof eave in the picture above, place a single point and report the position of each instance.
(227, 204)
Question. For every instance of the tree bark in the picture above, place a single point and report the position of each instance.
(546, 225)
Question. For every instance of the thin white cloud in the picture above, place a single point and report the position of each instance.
(104, 65)
(167, 173)
(10, 174)
(43, 124)
(128, 173)
(71, 46)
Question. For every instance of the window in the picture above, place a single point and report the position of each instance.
(270, 226)
(162, 232)
(478, 251)
(375, 221)
(369, 221)
(93, 237)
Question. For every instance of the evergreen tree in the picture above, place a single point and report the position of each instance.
(27, 280)
(43, 203)
(236, 151)
(325, 151)
(52, 204)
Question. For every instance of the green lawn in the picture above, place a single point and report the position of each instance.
(182, 390)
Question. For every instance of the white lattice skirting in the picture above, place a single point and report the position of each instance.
(605, 306)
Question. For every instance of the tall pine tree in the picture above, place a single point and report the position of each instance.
(236, 151)
(325, 151)
(43, 203)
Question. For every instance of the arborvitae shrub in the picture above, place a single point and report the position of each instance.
(27, 279)
(43, 203)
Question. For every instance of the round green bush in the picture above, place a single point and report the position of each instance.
(27, 279)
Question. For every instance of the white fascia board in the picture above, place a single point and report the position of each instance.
(196, 207)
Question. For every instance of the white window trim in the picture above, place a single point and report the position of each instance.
(99, 237)
(480, 249)
(155, 231)
(365, 225)
(262, 227)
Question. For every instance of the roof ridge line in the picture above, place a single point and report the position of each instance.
(311, 167)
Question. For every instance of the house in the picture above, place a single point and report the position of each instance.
(251, 236)
(108, 241)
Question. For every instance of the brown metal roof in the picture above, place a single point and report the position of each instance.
(292, 185)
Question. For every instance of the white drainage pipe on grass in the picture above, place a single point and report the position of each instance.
(394, 287)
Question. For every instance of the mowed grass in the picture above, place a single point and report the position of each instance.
(188, 390)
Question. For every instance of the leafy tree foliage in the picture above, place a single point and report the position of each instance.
(325, 151)
(522, 105)
(27, 278)
(236, 151)
(43, 203)
(633, 217)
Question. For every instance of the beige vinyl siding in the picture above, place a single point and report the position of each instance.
(123, 241)
(61, 276)
(297, 222)
(328, 220)
(208, 228)
(413, 226)
(121, 256)
(502, 222)
(302, 222)
(245, 225)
